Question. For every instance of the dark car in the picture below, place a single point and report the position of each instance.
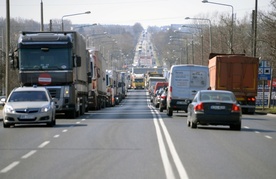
(163, 100)
(214, 107)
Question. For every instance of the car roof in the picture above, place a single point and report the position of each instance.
(30, 89)
(216, 91)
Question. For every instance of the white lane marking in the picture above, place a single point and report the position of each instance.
(257, 132)
(246, 127)
(78, 122)
(163, 151)
(56, 136)
(180, 168)
(268, 137)
(65, 130)
(43, 144)
(83, 119)
(28, 154)
(9, 167)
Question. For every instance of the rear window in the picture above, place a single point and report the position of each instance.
(187, 79)
(23, 96)
(217, 96)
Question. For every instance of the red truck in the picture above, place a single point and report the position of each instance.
(236, 73)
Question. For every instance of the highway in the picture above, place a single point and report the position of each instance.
(133, 140)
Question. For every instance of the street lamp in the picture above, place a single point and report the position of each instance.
(201, 41)
(62, 25)
(210, 26)
(232, 23)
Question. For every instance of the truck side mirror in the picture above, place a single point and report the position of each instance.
(14, 62)
(76, 61)
(89, 77)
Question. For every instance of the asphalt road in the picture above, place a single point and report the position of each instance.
(133, 140)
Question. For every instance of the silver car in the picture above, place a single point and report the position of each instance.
(29, 105)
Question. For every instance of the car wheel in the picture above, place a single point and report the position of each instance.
(160, 108)
(236, 127)
(52, 123)
(169, 112)
(5, 125)
(188, 122)
(193, 125)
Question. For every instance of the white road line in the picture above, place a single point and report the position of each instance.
(56, 136)
(65, 130)
(9, 167)
(43, 144)
(269, 137)
(78, 122)
(180, 168)
(257, 132)
(28, 154)
(163, 151)
(83, 119)
(246, 127)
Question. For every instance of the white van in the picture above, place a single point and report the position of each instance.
(184, 82)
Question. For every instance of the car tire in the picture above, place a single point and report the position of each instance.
(52, 123)
(169, 112)
(6, 125)
(236, 127)
(188, 123)
(160, 109)
(193, 125)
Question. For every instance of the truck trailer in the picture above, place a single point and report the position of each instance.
(236, 73)
(98, 89)
(56, 60)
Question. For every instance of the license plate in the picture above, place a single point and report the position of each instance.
(217, 107)
(181, 102)
(27, 117)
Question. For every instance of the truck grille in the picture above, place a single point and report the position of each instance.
(55, 92)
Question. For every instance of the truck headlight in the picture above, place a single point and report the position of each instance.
(66, 92)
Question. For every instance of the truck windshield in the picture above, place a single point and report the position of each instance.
(52, 59)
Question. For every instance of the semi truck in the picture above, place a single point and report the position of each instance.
(237, 73)
(58, 61)
(97, 97)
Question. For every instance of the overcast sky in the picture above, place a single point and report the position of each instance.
(128, 12)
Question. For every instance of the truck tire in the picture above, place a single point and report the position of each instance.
(71, 114)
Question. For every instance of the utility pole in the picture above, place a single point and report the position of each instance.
(41, 11)
(255, 29)
(7, 84)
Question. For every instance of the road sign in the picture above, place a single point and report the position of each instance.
(264, 70)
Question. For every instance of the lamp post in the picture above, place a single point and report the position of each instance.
(62, 25)
(201, 41)
(210, 30)
(232, 23)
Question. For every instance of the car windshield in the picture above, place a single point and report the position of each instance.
(22, 96)
(217, 96)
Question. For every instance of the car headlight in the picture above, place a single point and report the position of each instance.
(45, 108)
(8, 109)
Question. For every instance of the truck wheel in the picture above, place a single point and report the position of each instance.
(71, 114)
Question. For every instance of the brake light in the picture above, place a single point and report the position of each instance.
(251, 99)
(199, 107)
(163, 97)
(235, 108)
